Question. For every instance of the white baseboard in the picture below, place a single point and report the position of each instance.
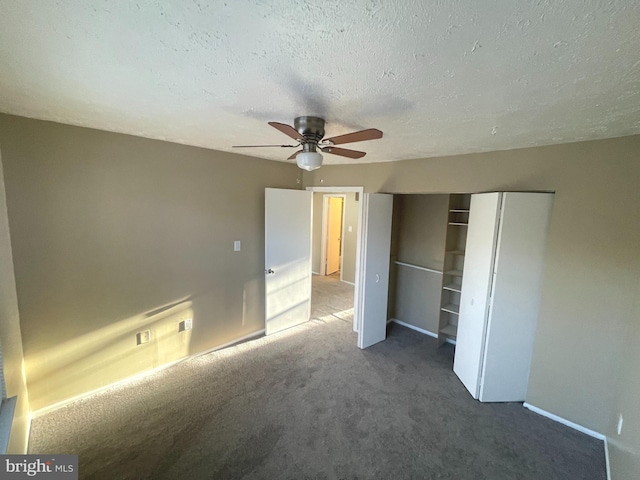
(606, 458)
(350, 283)
(413, 327)
(580, 428)
(420, 330)
(62, 403)
(257, 333)
(315, 273)
(556, 418)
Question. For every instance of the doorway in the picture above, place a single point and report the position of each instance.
(335, 250)
(289, 263)
(333, 207)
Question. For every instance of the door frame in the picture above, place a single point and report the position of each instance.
(358, 270)
(323, 240)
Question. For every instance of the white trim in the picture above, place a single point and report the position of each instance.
(410, 265)
(314, 273)
(556, 418)
(249, 336)
(350, 283)
(413, 327)
(336, 189)
(420, 330)
(606, 458)
(62, 403)
(361, 254)
(359, 247)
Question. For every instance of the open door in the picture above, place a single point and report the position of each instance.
(476, 289)
(287, 258)
(376, 254)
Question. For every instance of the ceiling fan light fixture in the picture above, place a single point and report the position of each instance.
(309, 160)
(309, 133)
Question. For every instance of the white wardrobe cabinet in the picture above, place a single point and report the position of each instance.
(501, 284)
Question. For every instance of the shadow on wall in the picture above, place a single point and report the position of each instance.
(112, 353)
(122, 349)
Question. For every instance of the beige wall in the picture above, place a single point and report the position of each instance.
(592, 257)
(350, 238)
(420, 224)
(114, 234)
(418, 238)
(10, 335)
(624, 449)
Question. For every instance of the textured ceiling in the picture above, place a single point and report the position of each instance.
(437, 77)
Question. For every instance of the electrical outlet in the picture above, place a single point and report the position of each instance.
(143, 337)
(185, 325)
(620, 420)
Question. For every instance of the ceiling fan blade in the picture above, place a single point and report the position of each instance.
(261, 146)
(344, 152)
(287, 130)
(294, 155)
(361, 136)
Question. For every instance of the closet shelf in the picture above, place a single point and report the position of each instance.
(449, 330)
(454, 255)
(453, 287)
(451, 308)
(454, 273)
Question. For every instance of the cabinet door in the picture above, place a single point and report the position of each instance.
(476, 286)
(515, 297)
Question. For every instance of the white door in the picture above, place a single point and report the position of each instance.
(515, 296)
(476, 285)
(376, 234)
(287, 258)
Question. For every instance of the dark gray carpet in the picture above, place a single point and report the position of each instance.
(307, 404)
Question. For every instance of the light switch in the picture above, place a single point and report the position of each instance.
(350, 229)
(236, 246)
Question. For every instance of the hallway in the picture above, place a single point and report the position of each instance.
(330, 296)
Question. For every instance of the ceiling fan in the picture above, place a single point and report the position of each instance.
(309, 133)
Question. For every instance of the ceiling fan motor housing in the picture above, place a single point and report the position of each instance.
(312, 129)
